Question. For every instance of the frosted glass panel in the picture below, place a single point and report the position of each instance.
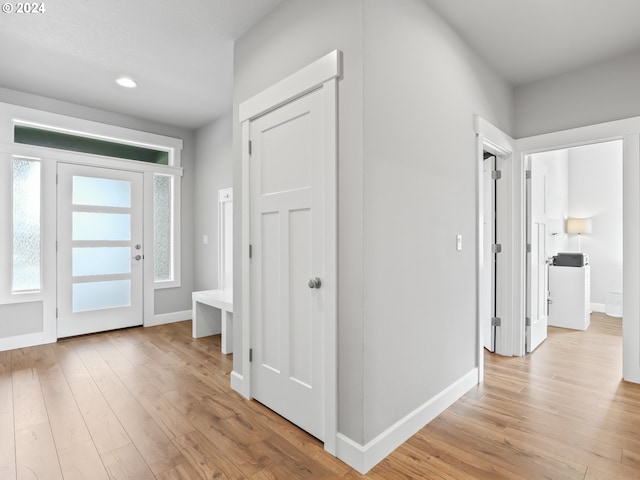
(101, 295)
(162, 194)
(101, 226)
(26, 225)
(102, 192)
(101, 261)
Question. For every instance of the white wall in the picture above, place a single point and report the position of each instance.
(171, 300)
(556, 163)
(212, 172)
(423, 88)
(406, 313)
(599, 93)
(595, 191)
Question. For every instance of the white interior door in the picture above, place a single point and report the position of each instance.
(100, 253)
(287, 297)
(537, 268)
(488, 290)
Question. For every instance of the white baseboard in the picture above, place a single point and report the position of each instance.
(165, 318)
(364, 457)
(237, 384)
(22, 341)
(597, 307)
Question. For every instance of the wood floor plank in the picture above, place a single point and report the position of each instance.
(28, 402)
(82, 462)
(105, 378)
(36, 455)
(6, 383)
(105, 428)
(184, 471)
(206, 457)
(7, 446)
(156, 449)
(67, 423)
(126, 463)
(164, 413)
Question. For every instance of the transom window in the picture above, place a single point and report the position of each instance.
(77, 143)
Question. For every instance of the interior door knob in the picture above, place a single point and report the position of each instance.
(314, 283)
(138, 257)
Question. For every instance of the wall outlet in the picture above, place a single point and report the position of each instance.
(205, 239)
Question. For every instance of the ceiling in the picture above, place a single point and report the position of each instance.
(527, 40)
(181, 52)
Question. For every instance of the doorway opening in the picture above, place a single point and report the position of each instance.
(582, 183)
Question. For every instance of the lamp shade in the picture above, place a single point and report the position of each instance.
(578, 225)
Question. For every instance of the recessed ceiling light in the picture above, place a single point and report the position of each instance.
(126, 82)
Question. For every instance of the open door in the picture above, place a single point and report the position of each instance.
(487, 284)
(537, 266)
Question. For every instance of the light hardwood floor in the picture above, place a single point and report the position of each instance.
(156, 404)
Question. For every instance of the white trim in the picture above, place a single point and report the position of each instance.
(364, 457)
(494, 140)
(90, 159)
(14, 114)
(629, 131)
(598, 307)
(245, 265)
(164, 318)
(225, 195)
(148, 294)
(324, 74)
(239, 385)
(23, 341)
(295, 85)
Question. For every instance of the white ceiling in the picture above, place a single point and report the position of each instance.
(181, 51)
(527, 40)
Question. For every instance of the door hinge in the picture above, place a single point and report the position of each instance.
(250, 250)
(527, 322)
(528, 248)
(250, 149)
(496, 175)
(496, 322)
(56, 312)
(251, 354)
(56, 179)
(527, 174)
(496, 248)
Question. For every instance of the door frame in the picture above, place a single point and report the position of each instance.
(627, 130)
(495, 141)
(323, 74)
(49, 159)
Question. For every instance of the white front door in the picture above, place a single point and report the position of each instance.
(287, 296)
(537, 270)
(100, 253)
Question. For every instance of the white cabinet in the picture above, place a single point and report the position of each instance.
(570, 297)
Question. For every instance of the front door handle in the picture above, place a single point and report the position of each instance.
(314, 283)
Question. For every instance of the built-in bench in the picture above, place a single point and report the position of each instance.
(204, 324)
(204, 321)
